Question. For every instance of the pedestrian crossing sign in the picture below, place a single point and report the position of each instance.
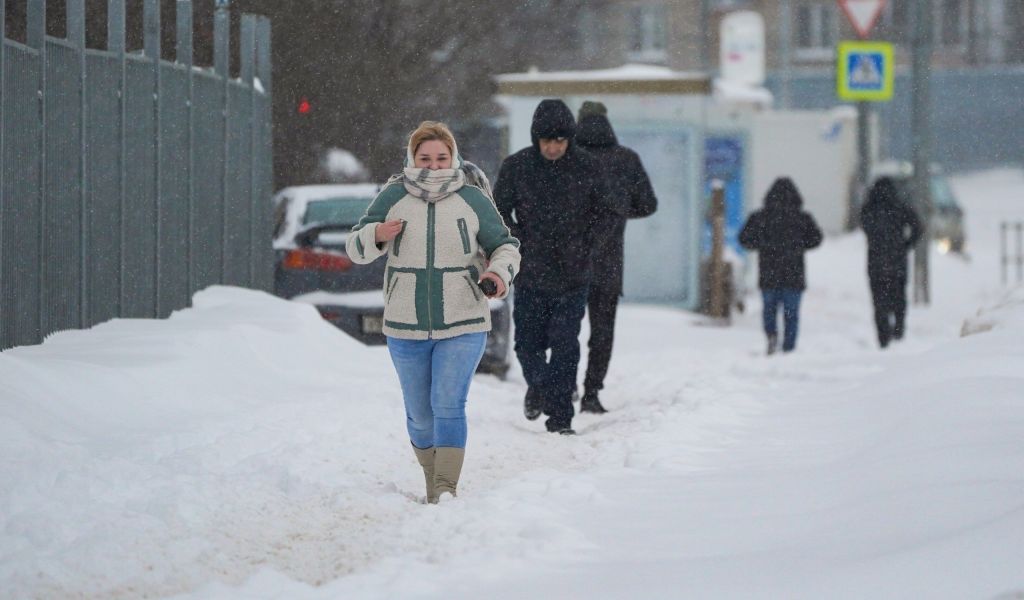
(864, 71)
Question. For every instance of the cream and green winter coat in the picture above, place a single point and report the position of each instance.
(430, 284)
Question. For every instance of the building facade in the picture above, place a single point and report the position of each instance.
(682, 34)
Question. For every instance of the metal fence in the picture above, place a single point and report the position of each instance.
(129, 182)
(1011, 255)
(975, 115)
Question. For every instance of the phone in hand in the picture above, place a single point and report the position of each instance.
(488, 287)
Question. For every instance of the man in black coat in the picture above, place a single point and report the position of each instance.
(631, 191)
(553, 196)
(781, 232)
(892, 229)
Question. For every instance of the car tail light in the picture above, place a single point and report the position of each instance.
(311, 260)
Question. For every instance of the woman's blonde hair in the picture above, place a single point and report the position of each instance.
(432, 130)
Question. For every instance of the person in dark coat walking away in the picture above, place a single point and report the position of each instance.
(780, 233)
(631, 189)
(554, 197)
(892, 228)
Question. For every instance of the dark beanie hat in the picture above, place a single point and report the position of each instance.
(591, 107)
(552, 119)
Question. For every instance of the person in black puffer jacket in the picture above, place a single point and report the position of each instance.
(781, 232)
(892, 229)
(630, 188)
(554, 197)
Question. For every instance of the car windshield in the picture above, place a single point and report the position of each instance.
(336, 211)
(942, 194)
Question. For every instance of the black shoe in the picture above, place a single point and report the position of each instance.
(773, 343)
(591, 404)
(532, 404)
(557, 426)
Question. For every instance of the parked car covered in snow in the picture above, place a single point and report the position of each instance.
(946, 226)
(311, 223)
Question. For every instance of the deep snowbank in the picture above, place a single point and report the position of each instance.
(245, 442)
(244, 448)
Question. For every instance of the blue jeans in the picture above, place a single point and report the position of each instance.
(545, 320)
(435, 377)
(790, 301)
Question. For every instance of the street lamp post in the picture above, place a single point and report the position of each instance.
(921, 136)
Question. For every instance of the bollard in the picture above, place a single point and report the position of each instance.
(718, 305)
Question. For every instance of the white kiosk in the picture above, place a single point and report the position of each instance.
(660, 114)
(689, 129)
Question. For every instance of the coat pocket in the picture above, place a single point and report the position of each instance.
(464, 234)
(463, 301)
(396, 245)
(400, 298)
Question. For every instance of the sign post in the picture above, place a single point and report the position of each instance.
(863, 74)
(920, 127)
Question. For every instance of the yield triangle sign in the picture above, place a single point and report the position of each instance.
(862, 14)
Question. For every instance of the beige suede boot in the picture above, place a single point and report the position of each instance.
(425, 456)
(447, 468)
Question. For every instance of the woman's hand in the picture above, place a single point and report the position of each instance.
(497, 282)
(386, 231)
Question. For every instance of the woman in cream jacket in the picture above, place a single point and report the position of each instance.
(443, 238)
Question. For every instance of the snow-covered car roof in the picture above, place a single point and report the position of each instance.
(298, 198)
(898, 168)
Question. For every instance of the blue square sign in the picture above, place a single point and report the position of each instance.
(864, 71)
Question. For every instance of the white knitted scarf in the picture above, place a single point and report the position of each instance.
(433, 185)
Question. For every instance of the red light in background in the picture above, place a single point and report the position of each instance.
(304, 106)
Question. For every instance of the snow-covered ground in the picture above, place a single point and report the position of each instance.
(245, 449)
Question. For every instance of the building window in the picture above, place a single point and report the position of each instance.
(816, 31)
(723, 5)
(648, 33)
(897, 21)
(951, 24)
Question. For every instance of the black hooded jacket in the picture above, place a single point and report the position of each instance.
(892, 229)
(781, 232)
(555, 207)
(630, 190)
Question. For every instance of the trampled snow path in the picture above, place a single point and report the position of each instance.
(245, 449)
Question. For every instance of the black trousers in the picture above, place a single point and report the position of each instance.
(552, 321)
(889, 295)
(602, 305)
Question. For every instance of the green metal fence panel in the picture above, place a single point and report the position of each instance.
(21, 202)
(263, 191)
(173, 272)
(238, 214)
(127, 183)
(140, 191)
(208, 180)
(103, 177)
(62, 206)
